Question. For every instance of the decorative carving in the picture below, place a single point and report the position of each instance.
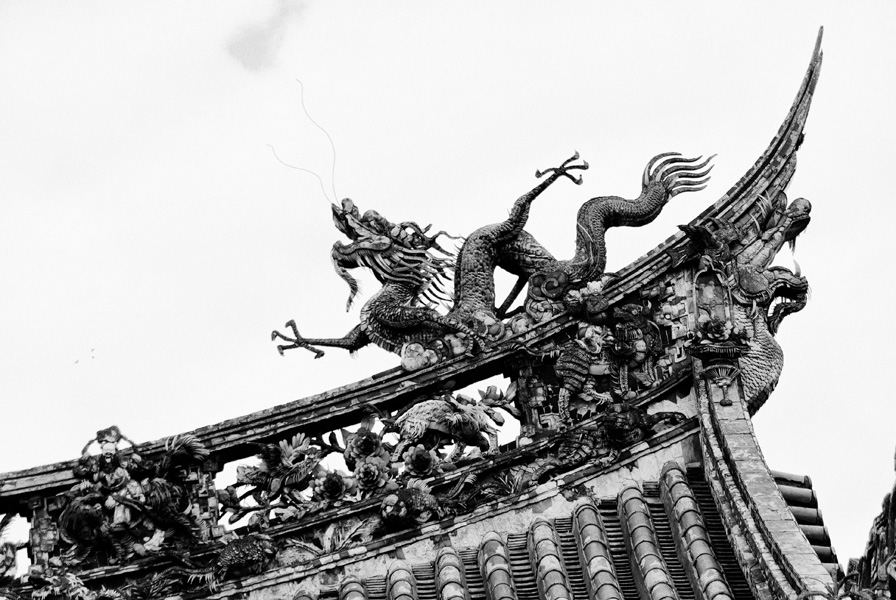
(723, 373)
(332, 487)
(874, 573)
(61, 585)
(413, 504)
(584, 370)
(285, 470)
(741, 299)
(126, 505)
(243, 556)
(628, 424)
(8, 552)
(420, 462)
(336, 537)
(450, 419)
(575, 448)
(637, 346)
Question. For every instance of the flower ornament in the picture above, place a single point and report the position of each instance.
(363, 444)
(420, 462)
(715, 330)
(416, 356)
(457, 343)
(372, 474)
(332, 486)
(488, 324)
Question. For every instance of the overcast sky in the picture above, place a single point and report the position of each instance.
(150, 241)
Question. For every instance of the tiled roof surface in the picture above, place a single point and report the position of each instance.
(657, 541)
(803, 503)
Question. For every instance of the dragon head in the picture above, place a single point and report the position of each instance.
(798, 213)
(346, 218)
(773, 289)
(777, 291)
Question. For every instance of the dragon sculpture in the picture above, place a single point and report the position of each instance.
(764, 294)
(413, 268)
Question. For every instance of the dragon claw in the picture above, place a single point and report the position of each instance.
(297, 342)
(564, 168)
(575, 156)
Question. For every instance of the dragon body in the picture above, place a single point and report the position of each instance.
(412, 267)
(665, 176)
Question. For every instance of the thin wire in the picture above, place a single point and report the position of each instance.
(332, 145)
(286, 164)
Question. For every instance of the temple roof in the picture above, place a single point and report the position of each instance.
(803, 503)
(636, 474)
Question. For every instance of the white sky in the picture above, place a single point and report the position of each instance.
(149, 241)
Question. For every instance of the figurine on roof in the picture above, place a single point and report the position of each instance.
(125, 505)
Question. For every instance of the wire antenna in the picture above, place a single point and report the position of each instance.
(286, 164)
(332, 145)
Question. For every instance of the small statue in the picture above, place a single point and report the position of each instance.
(109, 474)
(628, 424)
(413, 504)
(243, 556)
(285, 468)
(459, 420)
(577, 446)
(713, 244)
(637, 345)
(581, 362)
(125, 505)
